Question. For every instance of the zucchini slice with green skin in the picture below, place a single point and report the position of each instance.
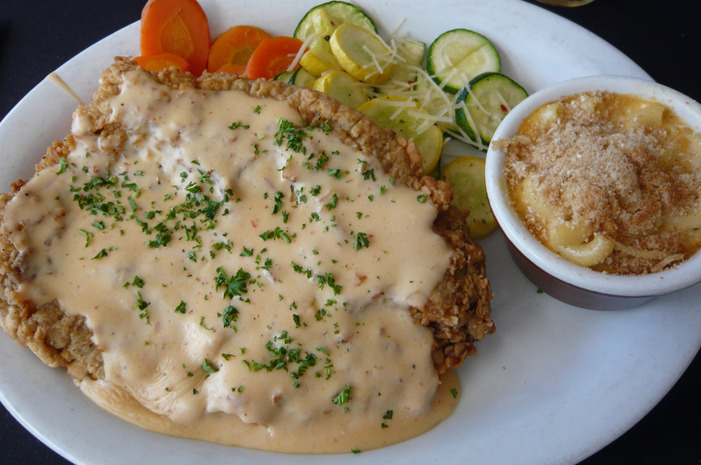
(403, 117)
(487, 99)
(411, 55)
(302, 78)
(323, 19)
(285, 77)
(458, 56)
(299, 77)
(466, 176)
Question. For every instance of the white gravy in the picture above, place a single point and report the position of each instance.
(271, 315)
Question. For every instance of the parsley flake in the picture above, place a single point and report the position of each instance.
(343, 397)
(235, 285)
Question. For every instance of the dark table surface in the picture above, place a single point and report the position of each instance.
(662, 37)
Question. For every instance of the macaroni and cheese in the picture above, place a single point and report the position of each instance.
(608, 181)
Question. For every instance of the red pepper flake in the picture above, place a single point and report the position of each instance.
(504, 109)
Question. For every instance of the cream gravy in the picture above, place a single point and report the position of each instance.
(242, 290)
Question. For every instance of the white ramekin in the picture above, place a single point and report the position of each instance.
(553, 274)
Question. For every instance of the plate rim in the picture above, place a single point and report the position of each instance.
(49, 442)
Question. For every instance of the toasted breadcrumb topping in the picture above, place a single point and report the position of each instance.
(616, 164)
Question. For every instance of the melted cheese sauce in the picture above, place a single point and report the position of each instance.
(243, 289)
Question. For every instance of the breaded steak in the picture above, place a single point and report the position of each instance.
(456, 309)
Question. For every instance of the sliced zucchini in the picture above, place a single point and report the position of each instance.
(482, 105)
(362, 53)
(466, 176)
(285, 77)
(403, 117)
(323, 19)
(458, 56)
(302, 78)
(410, 57)
(319, 58)
(343, 87)
(412, 52)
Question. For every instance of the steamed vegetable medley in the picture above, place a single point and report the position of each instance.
(452, 88)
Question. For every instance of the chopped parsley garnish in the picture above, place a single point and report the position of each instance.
(361, 240)
(266, 265)
(238, 124)
(343, 397)
(208, 367)
(162, 237)
(332, 204)
(235, 285)
(87, 235)
(229, 316)
(92, 197)
(204, 325)
(64, 164)
(226, 245)
(278, 202)
(321, 161)
(141, 304)
(276, 233)
(103, 253)
(283, 357)
(299, 269)
(293, 135)
(246, 252)
(330, 280)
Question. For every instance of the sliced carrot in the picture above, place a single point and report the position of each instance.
(236, 46)
(176, 26)
(162, 61)
(272, 57)
(231, 68)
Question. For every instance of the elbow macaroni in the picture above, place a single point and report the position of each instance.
(575, 242)
(586, 253)
(608, 181)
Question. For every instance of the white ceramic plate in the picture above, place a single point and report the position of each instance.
(553, 385)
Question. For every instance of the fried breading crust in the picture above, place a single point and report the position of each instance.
(457, 312)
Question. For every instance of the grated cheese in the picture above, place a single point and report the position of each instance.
(302, 50)
(428, 101)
